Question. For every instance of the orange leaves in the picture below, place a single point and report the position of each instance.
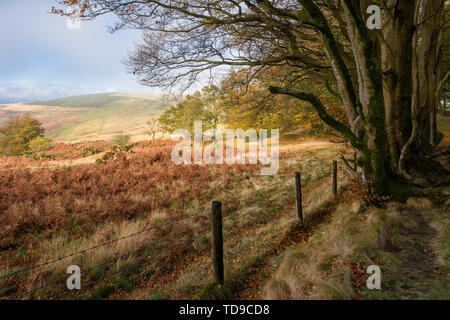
(126, 187)
(368, 195)
(359, 276)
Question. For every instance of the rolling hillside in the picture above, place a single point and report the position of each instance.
(94, 116)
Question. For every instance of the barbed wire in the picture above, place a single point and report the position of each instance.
(121, 270)
(251, 211)
(128, 254)
(105, 263)
(256, 191)
(304, 206)
(132, 265)
(132, 235)
(101, 245)
(153, 243)
(53, 282)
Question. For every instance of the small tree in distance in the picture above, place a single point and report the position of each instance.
(121, 141)
(154, 127)
(19, 133)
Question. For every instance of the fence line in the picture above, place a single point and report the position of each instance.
(132, 265)
(130, 235)
(121, 270)
(125, 255)
(62, 278)
(99, 245)
(217, 240)
(217, 224)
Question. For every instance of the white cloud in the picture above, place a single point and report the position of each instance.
(42, 59)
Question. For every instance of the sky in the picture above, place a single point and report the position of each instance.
(42, 58)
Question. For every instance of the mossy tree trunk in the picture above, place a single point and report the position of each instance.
(397, 75)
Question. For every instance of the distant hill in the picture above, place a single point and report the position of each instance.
(94, 116)
(98, 100)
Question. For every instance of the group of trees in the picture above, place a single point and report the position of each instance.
(236, 104)
(21, 135)
(387, 80)
(202, 106)
(250, 105)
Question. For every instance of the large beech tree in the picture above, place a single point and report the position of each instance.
(387, 79)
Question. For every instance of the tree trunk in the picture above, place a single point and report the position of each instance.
(433, 126)
(426, 45)
(396, 61)
(375, 160)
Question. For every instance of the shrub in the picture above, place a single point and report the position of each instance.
(39, 144)
(121, 140)
(17, 133)
(88, 151)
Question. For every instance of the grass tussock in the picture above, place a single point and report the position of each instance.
(400, 239)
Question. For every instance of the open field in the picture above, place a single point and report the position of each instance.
(49, 212)
(92, 117)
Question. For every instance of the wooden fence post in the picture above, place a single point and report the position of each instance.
(355, 158)
(217, 242)
(298, 189)
(335, 193)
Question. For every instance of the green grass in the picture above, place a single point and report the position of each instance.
(95, 116)
(86, 101)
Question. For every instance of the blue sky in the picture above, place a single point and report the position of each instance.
(41, 58)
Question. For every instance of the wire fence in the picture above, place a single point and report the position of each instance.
(172, 248)
(128, 267)
(105, 263)
(96, 246)
(132, 252)
(153, 243)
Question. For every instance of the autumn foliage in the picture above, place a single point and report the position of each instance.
(133, 184)
(20, 134)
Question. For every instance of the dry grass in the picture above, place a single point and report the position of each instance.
(300, 275)
(59, 155)
(332, 264)
(441, 243)
(76, 199)
(47, 213)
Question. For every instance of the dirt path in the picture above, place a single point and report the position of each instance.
(417, 275)
(303, 145)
